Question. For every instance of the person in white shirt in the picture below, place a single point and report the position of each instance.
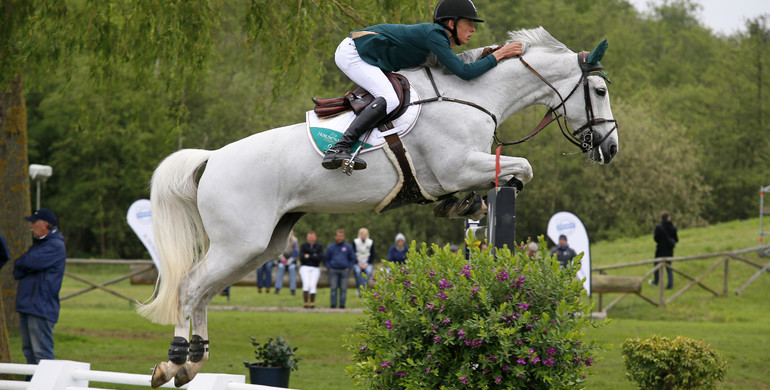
(364, 247)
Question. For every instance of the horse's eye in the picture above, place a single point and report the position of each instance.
(601, 91)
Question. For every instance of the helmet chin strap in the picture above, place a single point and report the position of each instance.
(453, 30)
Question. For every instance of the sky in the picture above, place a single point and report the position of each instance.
(722, 16)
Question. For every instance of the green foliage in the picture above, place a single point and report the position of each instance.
(681, 363)
(441, 322)
(276, 352)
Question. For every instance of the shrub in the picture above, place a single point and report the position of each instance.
(440, 322)
(276, 352)
(681, 363)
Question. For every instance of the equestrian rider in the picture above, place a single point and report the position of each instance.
(367, 53)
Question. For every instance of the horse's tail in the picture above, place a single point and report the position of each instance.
(178, 229)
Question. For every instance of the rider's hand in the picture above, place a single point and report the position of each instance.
(509, 50)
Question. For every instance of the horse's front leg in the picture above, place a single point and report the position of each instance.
(479, 170)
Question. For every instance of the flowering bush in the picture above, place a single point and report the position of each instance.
(682, 363)
(504, 321)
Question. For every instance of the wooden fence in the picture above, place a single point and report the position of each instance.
(661, 264)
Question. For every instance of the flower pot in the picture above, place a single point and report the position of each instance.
(268, 376)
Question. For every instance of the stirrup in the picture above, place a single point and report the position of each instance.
(353, 164)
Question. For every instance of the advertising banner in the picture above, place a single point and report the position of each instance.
(571, 226)
(140, 219)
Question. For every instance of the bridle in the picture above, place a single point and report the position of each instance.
(583, 137)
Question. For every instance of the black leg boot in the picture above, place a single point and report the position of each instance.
(340, 152)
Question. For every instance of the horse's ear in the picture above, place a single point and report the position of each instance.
(597, 54)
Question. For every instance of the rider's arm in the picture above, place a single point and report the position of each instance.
(438, 43)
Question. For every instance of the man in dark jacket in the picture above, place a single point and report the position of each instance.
(311, 254)
(340, 258)
(666, 239)
(563, 252)
(40, 271)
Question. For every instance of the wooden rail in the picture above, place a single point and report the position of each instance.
(103, 286)
(661, 264)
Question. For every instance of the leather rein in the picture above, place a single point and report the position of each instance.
(583, 137)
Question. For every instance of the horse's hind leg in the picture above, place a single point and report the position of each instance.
(177, 356)
(199, 348)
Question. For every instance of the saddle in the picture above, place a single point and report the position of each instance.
(357, 99)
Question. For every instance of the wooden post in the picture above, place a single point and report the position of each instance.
(661, 268)
(727, 272)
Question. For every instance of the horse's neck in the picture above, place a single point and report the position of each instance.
(511, 87)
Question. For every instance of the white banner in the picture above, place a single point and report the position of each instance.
(140, 219)
(571, 226)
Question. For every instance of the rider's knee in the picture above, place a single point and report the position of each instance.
(391, 101)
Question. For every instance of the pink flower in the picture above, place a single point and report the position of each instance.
(388, 324)
(444, 284)
(464, 380)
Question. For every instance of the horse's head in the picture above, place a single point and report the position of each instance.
(587, 109)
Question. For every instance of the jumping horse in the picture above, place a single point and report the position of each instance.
(238, 215)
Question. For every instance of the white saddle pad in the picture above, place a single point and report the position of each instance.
(324, 133)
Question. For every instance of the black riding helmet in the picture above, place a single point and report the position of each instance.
(454, 10)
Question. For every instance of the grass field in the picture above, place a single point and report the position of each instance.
(99, 328)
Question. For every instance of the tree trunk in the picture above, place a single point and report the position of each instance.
(14, 202)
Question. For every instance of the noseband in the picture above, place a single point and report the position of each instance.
(582, 137)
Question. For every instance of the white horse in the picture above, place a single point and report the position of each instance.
(252, 192)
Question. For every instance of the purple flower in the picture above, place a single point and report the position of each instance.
(427, 370)
(437, 339)
(549, 362)
(492, 358)
(502, 275)
(550, 351)
(444, 284)
(363, 348)
(505, 368)
(528, 327)
(522, 306)
(474, 291)
(400, 374)
(461, 333)
(388, 324)
(446, 321)
(588, 362)
(407, 283)
(498, 379)
(466, 271)
(522, 376)
(386, 364)
(535, 360)
(521, 361)
(442, 295)
(432, 273)
(376, 295)
(429, 306)
(381, 309)
(475, 343)
(464, 380)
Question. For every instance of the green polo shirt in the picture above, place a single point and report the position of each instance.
(398, 46)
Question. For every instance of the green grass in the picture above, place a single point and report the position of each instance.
(104, 330)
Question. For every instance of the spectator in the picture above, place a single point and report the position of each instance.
(454, 248)
(40, 271)
(288, 260)
(563, 252)
(339, 259)
(532, 249)
(398, 251)
(5, 254)
(265, 276)
(365, 255)
(310, 255)
(666, 239)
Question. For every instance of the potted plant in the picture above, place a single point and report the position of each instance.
(275, 361)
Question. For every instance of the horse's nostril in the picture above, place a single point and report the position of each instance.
(613, 150)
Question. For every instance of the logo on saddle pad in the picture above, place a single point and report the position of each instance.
(326, 138)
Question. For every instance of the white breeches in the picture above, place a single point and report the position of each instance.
(309, 276)
(364, 74)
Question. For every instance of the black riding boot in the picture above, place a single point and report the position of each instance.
(340, 152)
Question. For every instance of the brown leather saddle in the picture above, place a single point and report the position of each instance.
(357, 99)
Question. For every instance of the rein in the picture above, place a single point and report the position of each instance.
(439, 98)
(583, 137)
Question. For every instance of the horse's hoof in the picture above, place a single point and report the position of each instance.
(470, 205)
(183, 377)
(444, 208)
(159, 375)
(480, 213)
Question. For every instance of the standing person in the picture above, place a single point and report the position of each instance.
(563, 252)
(310, 255)
(366, 54)
(398, 251)
(40, 271)
(532, 249)
(365, 255)
(339, 259)
(288, 260)
(265, 276)
(666, 239)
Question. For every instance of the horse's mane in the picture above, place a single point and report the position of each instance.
(536, 37)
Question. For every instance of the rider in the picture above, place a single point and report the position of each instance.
(367, 53)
